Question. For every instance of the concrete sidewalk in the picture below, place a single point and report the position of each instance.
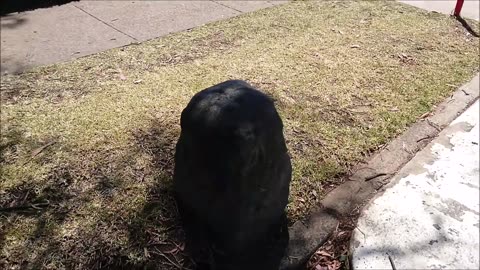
(429, 216)
(60, 33)
(470, 10)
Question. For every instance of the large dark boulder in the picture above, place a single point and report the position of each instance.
(232, 176)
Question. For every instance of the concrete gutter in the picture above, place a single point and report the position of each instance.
(307, 236)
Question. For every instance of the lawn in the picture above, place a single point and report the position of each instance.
(87, 146)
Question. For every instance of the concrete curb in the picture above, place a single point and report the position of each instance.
(368, 178)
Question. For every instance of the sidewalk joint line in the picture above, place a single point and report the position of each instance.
(107, 24)
(221, 4)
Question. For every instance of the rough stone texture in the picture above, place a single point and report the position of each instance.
(370, 177)
(232, 176)
(428, 217)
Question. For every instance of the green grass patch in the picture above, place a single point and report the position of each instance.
(87, 146)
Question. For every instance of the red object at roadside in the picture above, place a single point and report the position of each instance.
(458, 8)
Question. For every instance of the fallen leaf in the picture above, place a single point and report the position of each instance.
(339, 31)
(121, 75)
(41, 148)
(328, 247)
(334, 265)
(182, 247)
(360, 109)
(394, 109)
(425, 115)
(324, 253)
(173, 250)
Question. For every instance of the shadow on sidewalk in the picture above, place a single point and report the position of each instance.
(10, 6)
(12, 21)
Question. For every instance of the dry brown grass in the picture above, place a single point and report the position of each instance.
(346, 77)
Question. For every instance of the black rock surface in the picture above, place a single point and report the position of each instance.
(232, 177)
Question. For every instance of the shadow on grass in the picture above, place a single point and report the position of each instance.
(145, 237)
(168, 244)
(101, 210)
(47, 207)
(165, 244)
(466, 26)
